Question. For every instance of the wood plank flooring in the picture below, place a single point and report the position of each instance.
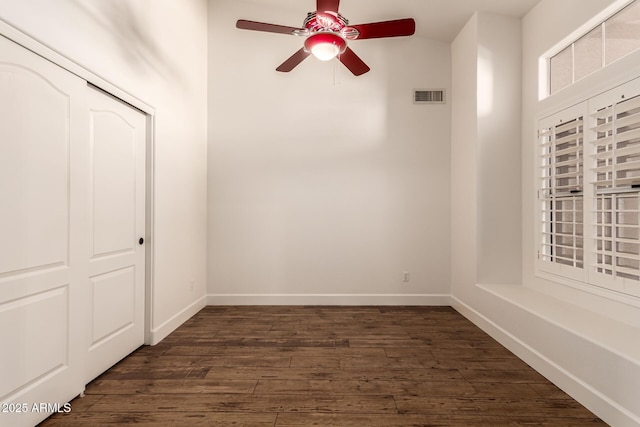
(324, 366)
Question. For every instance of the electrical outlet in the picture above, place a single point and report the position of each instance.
(405, 276)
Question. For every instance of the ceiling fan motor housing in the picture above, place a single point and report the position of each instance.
(317, 22)
(324, 21)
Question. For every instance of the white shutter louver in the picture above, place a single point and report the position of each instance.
(561, 199)
(616, 130)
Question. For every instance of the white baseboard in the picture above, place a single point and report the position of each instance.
(158, 334)
(592, 399)
(329, 299)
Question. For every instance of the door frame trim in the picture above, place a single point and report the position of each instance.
(10, 32)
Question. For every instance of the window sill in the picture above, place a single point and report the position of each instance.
(617, 336)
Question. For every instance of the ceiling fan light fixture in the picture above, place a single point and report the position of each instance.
(325, 46)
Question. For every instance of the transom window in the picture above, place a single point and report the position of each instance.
(611, 40)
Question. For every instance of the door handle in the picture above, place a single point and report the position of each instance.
(141, 241)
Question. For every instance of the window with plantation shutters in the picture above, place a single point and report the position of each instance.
(588, 224)
(561, 199)
(615, 132)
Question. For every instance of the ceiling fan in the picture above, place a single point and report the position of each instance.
(327, 32)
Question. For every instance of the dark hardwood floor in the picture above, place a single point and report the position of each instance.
(327, 366)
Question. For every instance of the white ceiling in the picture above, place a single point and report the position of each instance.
(435, 19)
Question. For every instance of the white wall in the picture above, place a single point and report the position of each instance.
(155, 50)
(486, 154)
(498, 149)
(322, 183)
(464, 157)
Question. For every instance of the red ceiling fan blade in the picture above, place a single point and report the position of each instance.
(396, 28)
(353, 62)
(327, 5)
(293, 61)
(269, 28)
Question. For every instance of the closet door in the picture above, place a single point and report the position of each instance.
(117, 223)
(43, 228)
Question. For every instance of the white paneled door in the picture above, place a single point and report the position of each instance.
(43, 263)
(72, 201)
(117, 215)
